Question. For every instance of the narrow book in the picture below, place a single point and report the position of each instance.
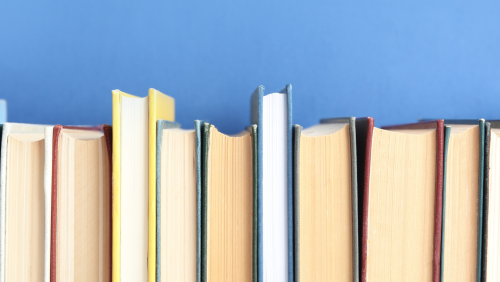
(228, 206)
(273, 115)
(178, 199)
(47, 190)
(134, 182)
(326, 201)
(22, 206)
(463, 200)
(402, 211)
(491, 210)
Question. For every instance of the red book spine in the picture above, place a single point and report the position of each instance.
(438, 213)
(53, 217)
(366, 196)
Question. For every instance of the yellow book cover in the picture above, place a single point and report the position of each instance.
(116, 152)
(161, 106)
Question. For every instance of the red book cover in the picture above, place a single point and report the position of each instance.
(57, 130)
(438, 212)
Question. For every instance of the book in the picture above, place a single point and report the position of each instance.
(273, 115)
(491, 202)
(21, 202)
(3, 111)
(178, 202)
(228, 206)
(134, 182)
(326, 201)
(47, 190)
(403, 180)
(463, 200)
(81, 204)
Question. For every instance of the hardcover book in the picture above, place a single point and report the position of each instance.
(273, 115)
(81, 204)
(491, 202)
(228, 206)
(22, 203)
(178, 202)
(326, 201)
(402, 212)
(463, 200)
(134, 182)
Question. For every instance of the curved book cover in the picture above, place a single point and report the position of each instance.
(365, 132)
(53, 221)
(6, 129)
(351, 123)
(203, 135)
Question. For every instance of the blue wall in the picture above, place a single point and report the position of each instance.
(393, 60)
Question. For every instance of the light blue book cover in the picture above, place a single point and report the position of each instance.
(257, 101)
(3, 111)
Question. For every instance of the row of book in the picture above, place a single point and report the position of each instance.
(144, 200)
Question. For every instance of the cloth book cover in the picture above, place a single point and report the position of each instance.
(351, 121)
(53, 220)
(364, 134)
(257, 118)
(162, 107)
(481, 181)
(7, 129)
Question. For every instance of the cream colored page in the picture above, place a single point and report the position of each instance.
(84, 211)
(401, 206)
(25, 211)
(493, 245)
(178, 206)
(65, 248)
(326, 208)
(460, 224)
(134, 189)
(230, 214)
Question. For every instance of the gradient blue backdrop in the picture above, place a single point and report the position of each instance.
(393, 60)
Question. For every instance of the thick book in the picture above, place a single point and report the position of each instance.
(81, 204)
(134, 182)
(22, 202)
(273, 115)
(178, 199)
(463, 200)
(228, 206)
(402, 211)
(326, 201)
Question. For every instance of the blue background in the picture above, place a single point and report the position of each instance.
(393, 60)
